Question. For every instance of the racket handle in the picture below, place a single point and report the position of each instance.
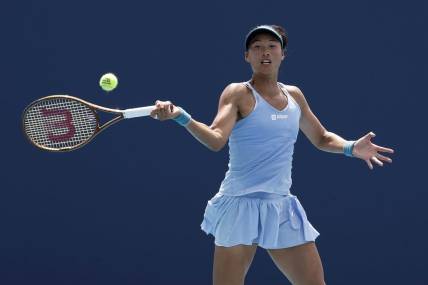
(137, 112)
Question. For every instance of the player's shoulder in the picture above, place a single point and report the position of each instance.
(292, 89)
(296, 93)
(235, 90)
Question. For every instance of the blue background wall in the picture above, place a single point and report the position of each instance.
(126, 209)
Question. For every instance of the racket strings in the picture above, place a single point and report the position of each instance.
(59, 123)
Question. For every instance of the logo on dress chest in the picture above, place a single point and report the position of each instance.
(275, 117)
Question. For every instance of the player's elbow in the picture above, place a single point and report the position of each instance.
(214, 149)
(217, 146)
(323, 140)
(217, 143)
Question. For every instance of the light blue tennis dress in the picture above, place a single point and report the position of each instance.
(254, 204)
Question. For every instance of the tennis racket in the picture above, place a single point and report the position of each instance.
(63, 123)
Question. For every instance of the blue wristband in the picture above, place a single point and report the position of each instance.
(348, 148)
(183, 119)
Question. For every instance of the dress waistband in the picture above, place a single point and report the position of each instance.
(263, 195)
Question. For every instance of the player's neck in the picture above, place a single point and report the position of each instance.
(266, 85)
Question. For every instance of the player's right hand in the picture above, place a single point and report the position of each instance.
(165, 110)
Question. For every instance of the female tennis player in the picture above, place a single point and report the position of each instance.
(254, 207)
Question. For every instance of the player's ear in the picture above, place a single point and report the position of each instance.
(284, 54)
(246, 57)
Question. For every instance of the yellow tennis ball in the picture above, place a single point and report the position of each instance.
(108, 82)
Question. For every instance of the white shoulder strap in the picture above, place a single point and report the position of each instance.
(248, 84)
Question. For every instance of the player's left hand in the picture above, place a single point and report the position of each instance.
(369, 152)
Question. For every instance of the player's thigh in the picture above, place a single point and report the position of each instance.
(300, 264)
(231, 264)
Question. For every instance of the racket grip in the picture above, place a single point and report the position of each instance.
(137, 112)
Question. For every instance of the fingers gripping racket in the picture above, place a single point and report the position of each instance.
(64, 123)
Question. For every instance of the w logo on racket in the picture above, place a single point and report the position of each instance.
(56, 121)
(59, 123)
(63, 123)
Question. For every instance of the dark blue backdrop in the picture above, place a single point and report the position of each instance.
(126, 209)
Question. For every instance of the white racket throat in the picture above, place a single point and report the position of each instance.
(137, 112)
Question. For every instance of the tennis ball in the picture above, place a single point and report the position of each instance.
(108, 82)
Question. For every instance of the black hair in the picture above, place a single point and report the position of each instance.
(280, 30)
(283, 34)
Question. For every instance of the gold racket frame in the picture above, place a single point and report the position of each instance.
(93, 107)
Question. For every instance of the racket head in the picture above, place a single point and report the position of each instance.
(60, 123)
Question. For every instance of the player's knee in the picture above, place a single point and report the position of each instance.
(315, 281)
(224, 274)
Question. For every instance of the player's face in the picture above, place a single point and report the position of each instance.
(265, 54)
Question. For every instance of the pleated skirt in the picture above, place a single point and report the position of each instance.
(271, 221)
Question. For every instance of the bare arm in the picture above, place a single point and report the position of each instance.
(331, 142)
(312, 127)
(215, 136)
